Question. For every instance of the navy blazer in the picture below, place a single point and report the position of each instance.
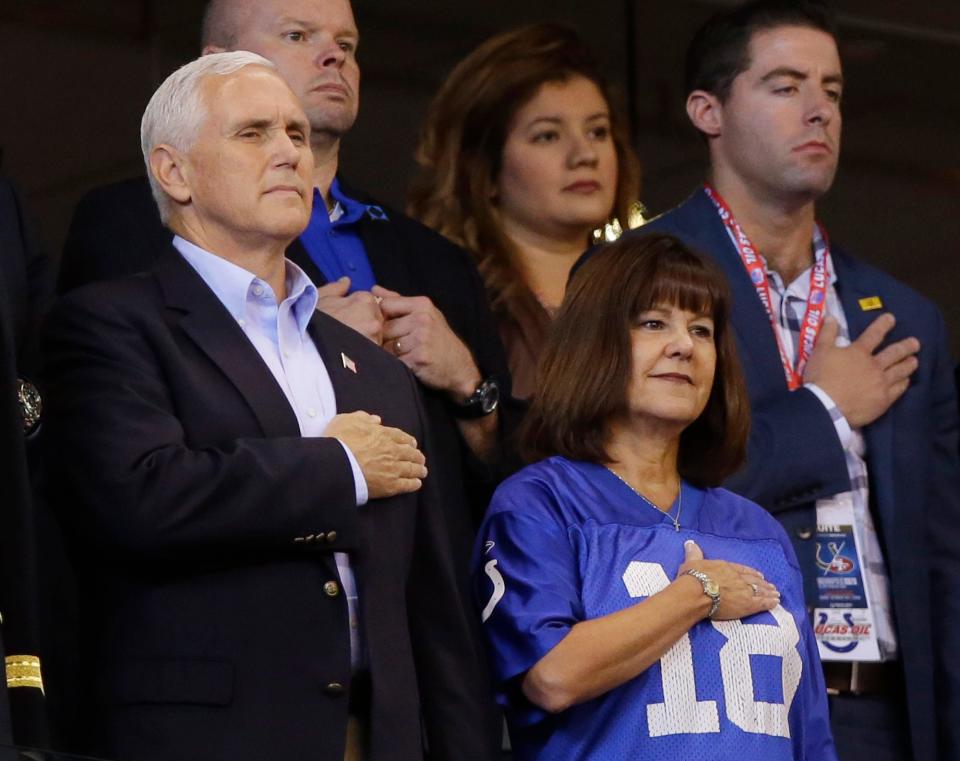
(205, 526)
(795, 458)
(26, 285)
(116, 230)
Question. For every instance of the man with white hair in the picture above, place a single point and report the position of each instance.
(265, 564)
(378, 271)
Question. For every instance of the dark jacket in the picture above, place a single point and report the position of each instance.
(26, 284)
(206, 528)
(794, 459)
(116, 230)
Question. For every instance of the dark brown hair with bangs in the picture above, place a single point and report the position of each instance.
(586, 365)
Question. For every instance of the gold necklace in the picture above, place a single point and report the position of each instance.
(675, 521)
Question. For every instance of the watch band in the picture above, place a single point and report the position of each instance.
(710, 589)
(483, 401)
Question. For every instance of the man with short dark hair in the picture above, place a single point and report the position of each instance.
(378, 271)
(853, 443)
(266, 570)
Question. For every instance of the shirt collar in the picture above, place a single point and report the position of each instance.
(233, 285)
(302, 294)
(801, 284)
(346, 210)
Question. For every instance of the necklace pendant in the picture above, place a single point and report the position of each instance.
(666, 513)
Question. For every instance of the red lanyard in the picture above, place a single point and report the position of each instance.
(816, 301)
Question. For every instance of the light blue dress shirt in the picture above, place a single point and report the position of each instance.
(279, 334)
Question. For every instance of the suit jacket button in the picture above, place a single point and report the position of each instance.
(331, 537)
(804, 532)
(331, 589)
(334, 689)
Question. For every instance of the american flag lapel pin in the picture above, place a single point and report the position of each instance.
(349, 363)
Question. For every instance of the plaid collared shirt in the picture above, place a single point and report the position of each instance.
(789, 304)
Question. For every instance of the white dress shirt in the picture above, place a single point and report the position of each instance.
(279, 334)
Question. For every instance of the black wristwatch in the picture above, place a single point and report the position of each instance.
(481, 402)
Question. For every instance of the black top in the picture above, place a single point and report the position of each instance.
(26, 284)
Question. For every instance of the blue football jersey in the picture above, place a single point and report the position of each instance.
(567, 541)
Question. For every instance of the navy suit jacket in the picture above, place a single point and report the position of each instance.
(26, 285)
(795, 458)
(116, 230)
(205, 527)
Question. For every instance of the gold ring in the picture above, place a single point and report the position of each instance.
(398, 349)
(378, 299)
(756, 589)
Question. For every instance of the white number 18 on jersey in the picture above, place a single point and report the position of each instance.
(681, 712)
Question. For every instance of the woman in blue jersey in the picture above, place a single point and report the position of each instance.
(633, 608)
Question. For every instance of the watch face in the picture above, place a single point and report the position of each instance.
(482, 402)
(490, 395)
(712, 588)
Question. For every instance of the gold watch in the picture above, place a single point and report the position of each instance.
(710, 588)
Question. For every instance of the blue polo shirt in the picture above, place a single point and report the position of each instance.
(333, 239)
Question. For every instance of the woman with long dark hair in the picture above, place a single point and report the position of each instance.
(633, 608)
(523, 155)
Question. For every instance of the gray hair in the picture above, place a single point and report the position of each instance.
(176, 111)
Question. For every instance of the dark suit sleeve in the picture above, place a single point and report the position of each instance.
(794, 455)
(128, 476)
(943, 526)
(35, 283)
(433, 266)
(447, 273)
(482, 337)
(25, 279)
(455, 695)
(481, 333)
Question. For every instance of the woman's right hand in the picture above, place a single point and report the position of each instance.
(743, 590)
